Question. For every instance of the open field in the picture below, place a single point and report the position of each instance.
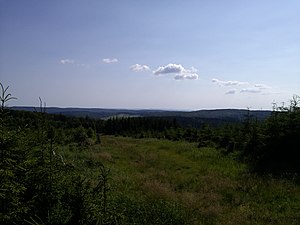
(162, 182)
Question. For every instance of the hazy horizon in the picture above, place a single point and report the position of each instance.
(162, 55)
(150, 109)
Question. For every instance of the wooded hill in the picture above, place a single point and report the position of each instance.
(184, 118)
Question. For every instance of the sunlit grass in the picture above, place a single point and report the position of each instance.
(162, 182)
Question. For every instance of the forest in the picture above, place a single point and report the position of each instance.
(57, 169)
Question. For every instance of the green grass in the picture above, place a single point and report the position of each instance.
(162, 182)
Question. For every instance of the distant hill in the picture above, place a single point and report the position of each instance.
(97, 113)
(192, 118)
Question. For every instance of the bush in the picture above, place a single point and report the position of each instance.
(274, 147)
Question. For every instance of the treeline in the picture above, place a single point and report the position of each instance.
(138, 126)
(269, 145)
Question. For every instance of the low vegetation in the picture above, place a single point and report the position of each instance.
(63, 170)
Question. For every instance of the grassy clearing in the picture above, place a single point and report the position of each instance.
(162, 182)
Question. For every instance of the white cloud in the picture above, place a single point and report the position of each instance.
(179, 77)
(193, 70)
(256, 88)
(231, 92)
(250, 90)
(108, 60)
(139, 68)
(67, 61)
(262, 86)
(228, 83)
(170, 68)
(192, 76)
(179, 70)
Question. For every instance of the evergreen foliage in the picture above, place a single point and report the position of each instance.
(39, 186)
(274, 146)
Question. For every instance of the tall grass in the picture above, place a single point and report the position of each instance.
(162, 182)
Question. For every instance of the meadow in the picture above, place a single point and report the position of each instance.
(155, 181)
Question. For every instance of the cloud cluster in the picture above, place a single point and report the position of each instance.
(228, 83)
(252, 88)
(108, 60)
(67, 61)
(257, 88)
(139, 68)
(180, 72)
(262, 86)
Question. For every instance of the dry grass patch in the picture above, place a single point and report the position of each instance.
(104, 155)
(158, 189)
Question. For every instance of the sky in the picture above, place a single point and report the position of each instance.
(180, 55)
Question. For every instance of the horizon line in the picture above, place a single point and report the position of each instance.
(141, 109)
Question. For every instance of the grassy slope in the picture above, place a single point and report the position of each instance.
(162, 182)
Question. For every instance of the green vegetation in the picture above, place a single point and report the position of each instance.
(151, 178)
(64, 170)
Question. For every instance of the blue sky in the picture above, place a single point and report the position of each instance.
(151, 54)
